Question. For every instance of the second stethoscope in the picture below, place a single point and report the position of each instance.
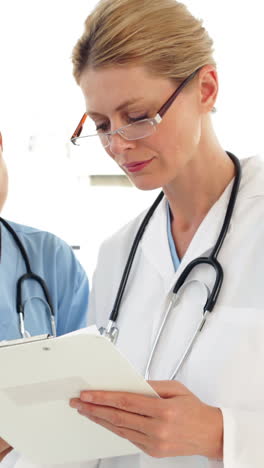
(111, 331)
(29, 275)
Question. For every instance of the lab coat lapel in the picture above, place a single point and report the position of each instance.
(155, 246)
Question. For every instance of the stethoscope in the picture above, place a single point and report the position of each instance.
(111, 331)
(29, 275)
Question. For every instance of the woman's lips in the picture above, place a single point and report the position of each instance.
(137, 166)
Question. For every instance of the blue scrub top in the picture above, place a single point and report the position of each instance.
(54, 261)
(174, 255)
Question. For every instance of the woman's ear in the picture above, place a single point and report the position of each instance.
(208, 84)
(1, 142)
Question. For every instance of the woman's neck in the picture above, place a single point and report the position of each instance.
(195, 191)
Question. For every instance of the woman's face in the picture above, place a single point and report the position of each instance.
(3, 177)
(118, 96)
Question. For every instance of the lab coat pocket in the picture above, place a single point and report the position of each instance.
(244, 356)
(227, 356)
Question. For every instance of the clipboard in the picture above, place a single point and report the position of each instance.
(38, 378)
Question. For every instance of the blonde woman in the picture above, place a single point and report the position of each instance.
(149, 79)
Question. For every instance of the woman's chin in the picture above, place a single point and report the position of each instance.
(143, 183)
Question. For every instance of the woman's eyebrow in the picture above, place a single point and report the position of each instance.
(127, 103)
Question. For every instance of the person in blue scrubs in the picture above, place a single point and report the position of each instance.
(54, 261)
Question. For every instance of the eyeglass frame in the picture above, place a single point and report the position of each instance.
(155, 120)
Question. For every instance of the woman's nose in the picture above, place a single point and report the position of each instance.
(118, 144)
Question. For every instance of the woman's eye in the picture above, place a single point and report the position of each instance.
(136, 119)
(104, 127)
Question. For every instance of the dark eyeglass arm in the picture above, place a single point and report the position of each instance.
(167, 104)
(79, 128)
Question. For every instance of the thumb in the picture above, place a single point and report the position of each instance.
(168, 388)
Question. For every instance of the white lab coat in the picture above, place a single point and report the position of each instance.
(226, 365)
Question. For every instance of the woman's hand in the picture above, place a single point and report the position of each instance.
(4, 449)
(177, 424)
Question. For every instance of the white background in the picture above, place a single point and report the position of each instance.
(40, 105)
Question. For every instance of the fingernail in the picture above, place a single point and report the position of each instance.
(76, 405)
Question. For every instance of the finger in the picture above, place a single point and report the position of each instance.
(168, 388)
(130, 402)
(117, 418)
(75, 403)
(3, 445)
(137, 438)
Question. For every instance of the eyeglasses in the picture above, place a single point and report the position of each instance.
(133, 131)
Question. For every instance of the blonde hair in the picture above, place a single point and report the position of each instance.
(162, 35)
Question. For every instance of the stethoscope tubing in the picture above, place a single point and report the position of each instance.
(29, 275)
(139, 235)
(230, 207)
(115, 311)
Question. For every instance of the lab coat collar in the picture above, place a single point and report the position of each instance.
(252, 184)
(160, 259)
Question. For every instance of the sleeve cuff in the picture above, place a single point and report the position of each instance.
(243, 439)
(10, 459)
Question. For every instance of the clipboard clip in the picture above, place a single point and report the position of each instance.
(21, 341)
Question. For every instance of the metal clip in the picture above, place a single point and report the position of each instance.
(110, 332)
